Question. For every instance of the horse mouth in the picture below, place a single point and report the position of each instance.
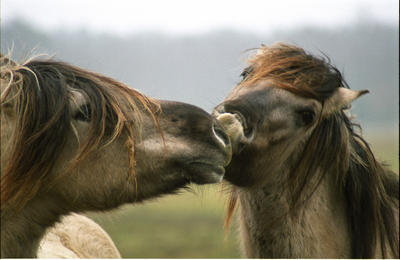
(236, 127)
(205, 172)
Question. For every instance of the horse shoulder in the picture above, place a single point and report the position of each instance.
(77, 236)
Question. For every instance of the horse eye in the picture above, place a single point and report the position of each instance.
(246, 72)
(84, 113)
(307, 116)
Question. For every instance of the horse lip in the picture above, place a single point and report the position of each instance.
(204, 172)
(241, 118)
(217, 168)
(239, 136)
(248, 131)
(229, 156)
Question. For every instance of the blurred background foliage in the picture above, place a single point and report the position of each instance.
(202, 69)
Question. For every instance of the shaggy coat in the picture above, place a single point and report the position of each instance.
(306, 182)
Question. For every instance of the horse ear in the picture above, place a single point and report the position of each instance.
(5, 60)
(341, 98)
(261, 49)
(7, 82)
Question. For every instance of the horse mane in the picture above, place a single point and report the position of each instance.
(39, 91)
(370, 190)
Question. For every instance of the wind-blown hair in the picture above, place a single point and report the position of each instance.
(40, 93)
(371, 191)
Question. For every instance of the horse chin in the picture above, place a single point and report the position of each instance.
(205, 173)
(234, 174)
(238, 181)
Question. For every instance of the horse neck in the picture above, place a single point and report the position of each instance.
(317, 228)
(22, 231)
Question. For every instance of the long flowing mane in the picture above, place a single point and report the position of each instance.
(371, 191)
(39, 92)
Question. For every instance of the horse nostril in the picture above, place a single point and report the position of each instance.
(220, 135)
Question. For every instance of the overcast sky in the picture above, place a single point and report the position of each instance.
(191, 17)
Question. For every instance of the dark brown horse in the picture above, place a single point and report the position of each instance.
(74, 140)
(306, 182)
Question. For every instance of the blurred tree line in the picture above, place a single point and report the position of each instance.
(203, 68)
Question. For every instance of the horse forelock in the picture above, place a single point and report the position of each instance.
(292, 68)
(41, 93)
(358, 174)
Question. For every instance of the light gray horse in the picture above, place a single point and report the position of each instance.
(307, 185)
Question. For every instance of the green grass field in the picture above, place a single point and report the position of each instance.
(190, 225)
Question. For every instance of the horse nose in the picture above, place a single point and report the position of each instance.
(221, 137)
